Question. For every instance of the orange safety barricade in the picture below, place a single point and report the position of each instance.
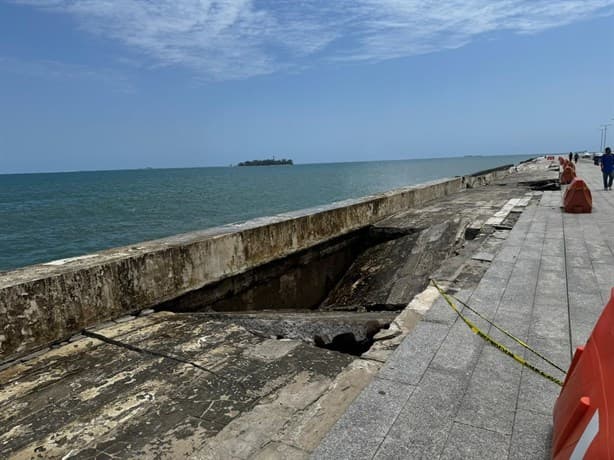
(578, 197)
(583, 424)
(568, 174)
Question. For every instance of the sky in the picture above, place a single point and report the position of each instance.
(103, 84)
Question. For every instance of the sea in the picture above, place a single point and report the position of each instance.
(51, 216)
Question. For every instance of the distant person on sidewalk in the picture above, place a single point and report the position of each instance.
(607, 168)
(570, 156)
(575, 157)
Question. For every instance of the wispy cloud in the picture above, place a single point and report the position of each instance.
(62, 71)
(233, 39)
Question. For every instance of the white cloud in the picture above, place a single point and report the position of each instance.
(229, 39)
(62, 71)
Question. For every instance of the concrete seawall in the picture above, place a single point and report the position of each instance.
(45, 303)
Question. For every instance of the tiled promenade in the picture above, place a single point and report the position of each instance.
(445, 393)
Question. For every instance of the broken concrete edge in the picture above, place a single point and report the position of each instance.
(47, 303)
(387, 340)
(487, 177)
(403, 324)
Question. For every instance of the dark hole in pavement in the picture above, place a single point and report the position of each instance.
(339, 294)
(345, 343)
(348, 343)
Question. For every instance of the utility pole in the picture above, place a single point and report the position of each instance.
(604, 136)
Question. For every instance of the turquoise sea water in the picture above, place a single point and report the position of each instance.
(56, 215)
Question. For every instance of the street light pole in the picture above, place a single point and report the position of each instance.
(604, 136)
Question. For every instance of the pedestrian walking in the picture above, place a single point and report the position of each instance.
(607, 168)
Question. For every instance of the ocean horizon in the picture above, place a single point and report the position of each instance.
(141, 168)
(53, 215)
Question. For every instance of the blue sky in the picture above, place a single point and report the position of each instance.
(100, 84)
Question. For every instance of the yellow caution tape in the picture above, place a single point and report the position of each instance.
(509, 334)
(476, 330)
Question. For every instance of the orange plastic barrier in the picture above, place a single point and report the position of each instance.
(568, 174)
(583, 425)
(578, 197)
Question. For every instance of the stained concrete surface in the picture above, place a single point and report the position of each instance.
(196, 387)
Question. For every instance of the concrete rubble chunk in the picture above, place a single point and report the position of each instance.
(484, 256)
(125, 319)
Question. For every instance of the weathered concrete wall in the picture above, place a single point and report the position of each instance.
(486, 177)
(49, 302)
(299, 281)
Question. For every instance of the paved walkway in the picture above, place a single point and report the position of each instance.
(444, 393)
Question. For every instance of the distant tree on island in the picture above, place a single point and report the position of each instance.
(268, 162)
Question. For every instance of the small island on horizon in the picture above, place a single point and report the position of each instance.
(266, 162)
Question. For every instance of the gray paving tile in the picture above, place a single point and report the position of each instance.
(498, 269)
(580, 333)
(490, 400)
(552, 297)
(550, 320)
(364, 425)
(536, 392)
(553, 263)
(427, 418)
(508, 253)
(395, 449)
(582, 280)
(519, 296)
(526, 268)
(532, 436)
(555, 349)
(459, 351)
(585, 307)
(604, 274)
(440, 312)
(467, 442)
(513, 321)
(411, 359)
(530, 252)
(598, 250)
(486, 297)
(578, 260)
(551, 279)
(516, 238)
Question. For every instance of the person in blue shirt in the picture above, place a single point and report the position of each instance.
(607, 168)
